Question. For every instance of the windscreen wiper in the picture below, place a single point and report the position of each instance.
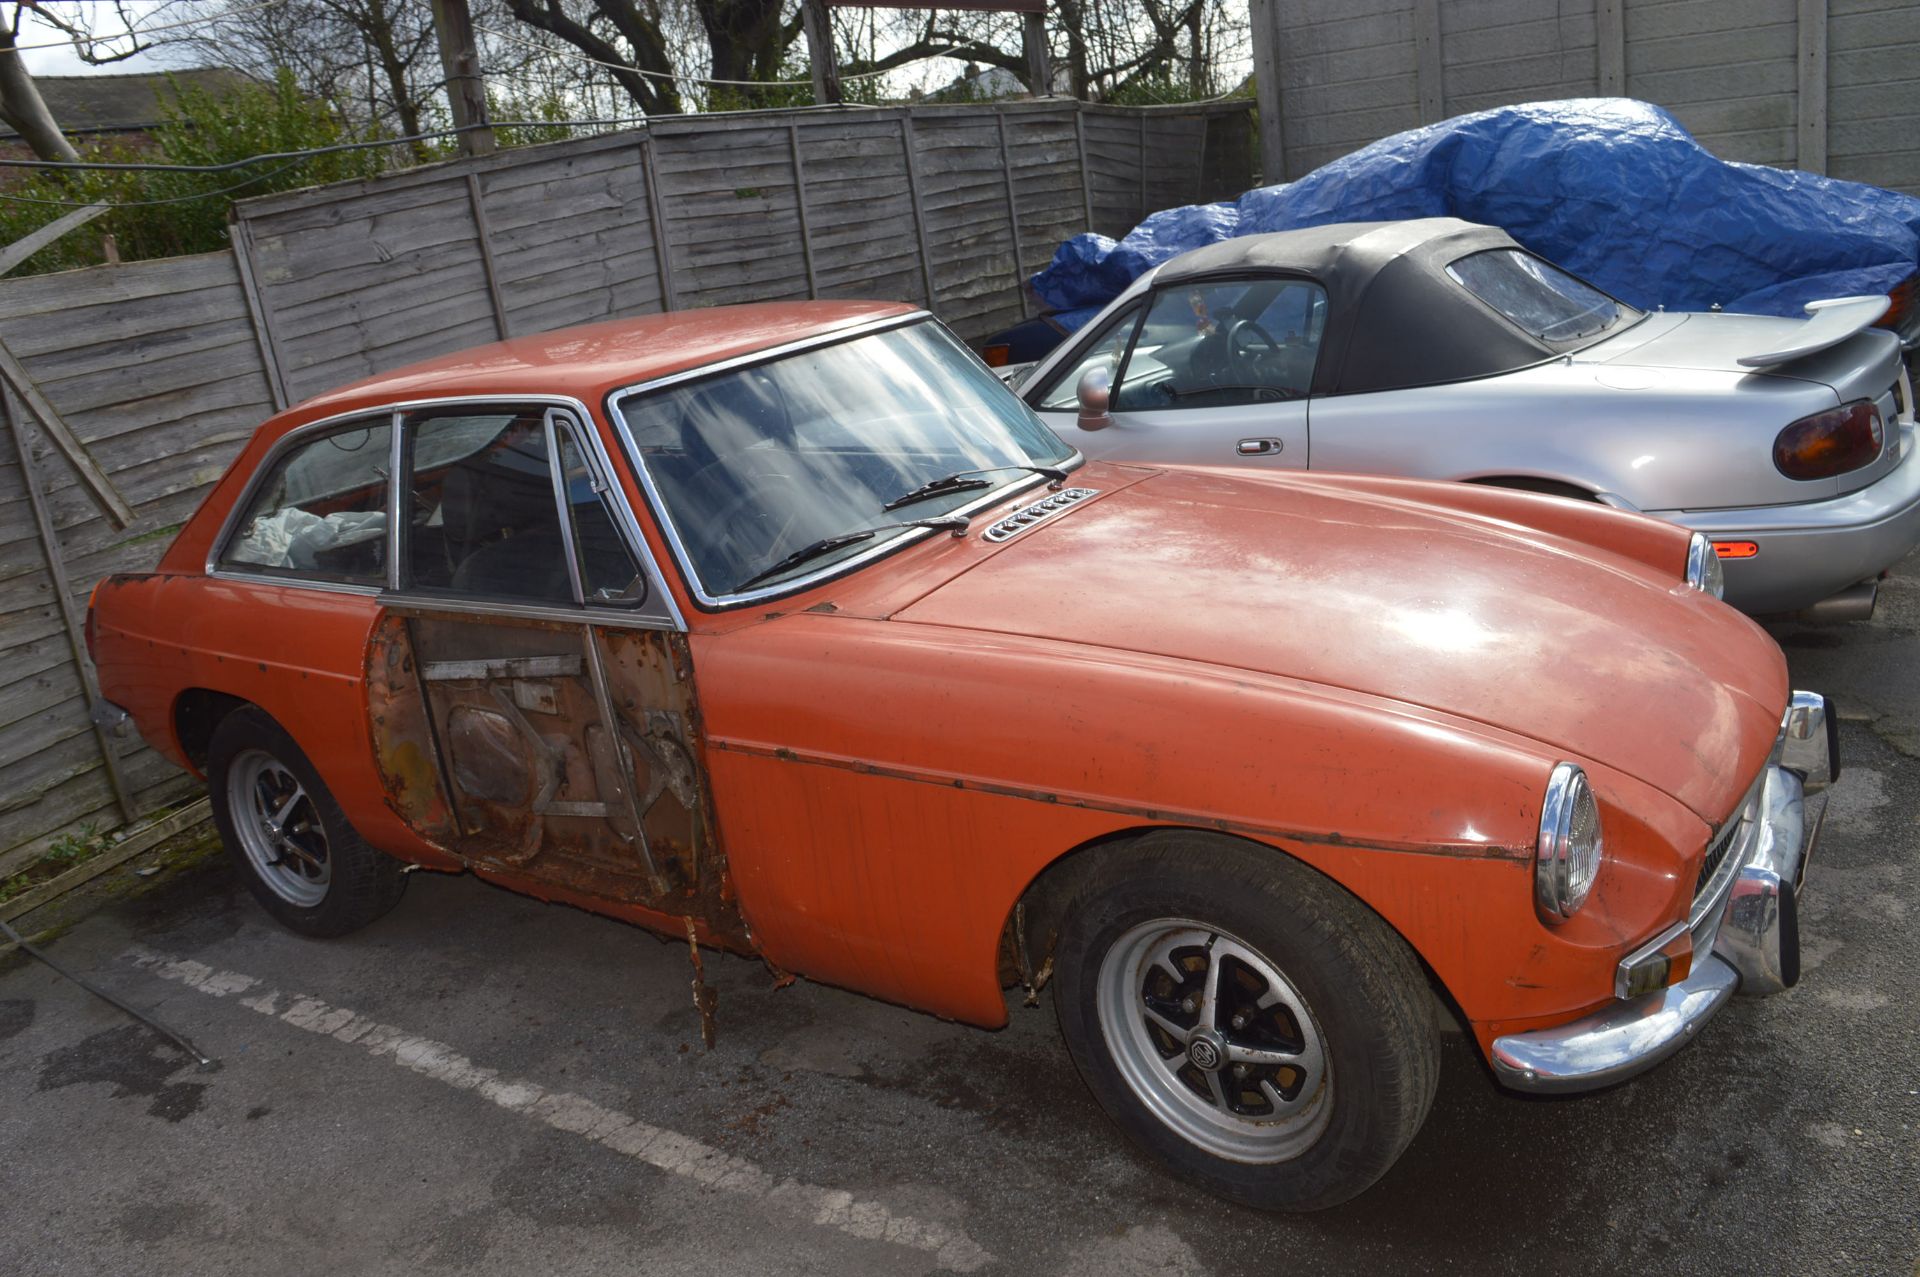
(959, 482)
(954, 523)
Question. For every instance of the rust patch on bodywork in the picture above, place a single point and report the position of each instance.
(403, 745)
(705, 1000)
(563, 752)
(1158, 815)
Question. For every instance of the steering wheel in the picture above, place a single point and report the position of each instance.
(743, 528)
(1247, 361)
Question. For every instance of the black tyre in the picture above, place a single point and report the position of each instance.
(290, 841)
(1245, 1019)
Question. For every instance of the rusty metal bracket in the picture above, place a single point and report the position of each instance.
(704, 999)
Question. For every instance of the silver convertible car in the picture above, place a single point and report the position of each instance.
(1440, 349)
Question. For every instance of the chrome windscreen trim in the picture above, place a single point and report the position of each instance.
(1039, 512)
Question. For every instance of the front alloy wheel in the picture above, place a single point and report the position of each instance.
(1213, 1039)
(1242, 1017)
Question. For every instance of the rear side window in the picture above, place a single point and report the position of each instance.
(1537, 296)
(321, 511)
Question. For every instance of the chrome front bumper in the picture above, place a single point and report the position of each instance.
(1744, 926)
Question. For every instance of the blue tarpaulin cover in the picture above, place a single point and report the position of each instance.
(1612, 189)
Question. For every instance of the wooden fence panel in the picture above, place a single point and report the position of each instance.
(963, 183)
(860, 208)
(571, 237)
(162, 370)
(354, 286)
(156, 369)
(732, 212)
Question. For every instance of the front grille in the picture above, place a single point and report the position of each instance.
(1729, 838)
(1717, 853)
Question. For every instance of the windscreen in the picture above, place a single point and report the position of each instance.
(758, 463)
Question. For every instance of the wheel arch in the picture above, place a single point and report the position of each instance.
(1546, 485)
(197, 711)
(1032, 924)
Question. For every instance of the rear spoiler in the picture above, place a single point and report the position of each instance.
(1829, 323)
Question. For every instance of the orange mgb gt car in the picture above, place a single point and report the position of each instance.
(789, 629)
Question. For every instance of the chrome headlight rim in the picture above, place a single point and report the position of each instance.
(1704, 572)
(1563, 871)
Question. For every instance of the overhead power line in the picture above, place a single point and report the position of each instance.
(129, 166)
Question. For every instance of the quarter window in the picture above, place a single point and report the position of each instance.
(608, 574)
(1104, 353)
(321, 512)
(1223, 344)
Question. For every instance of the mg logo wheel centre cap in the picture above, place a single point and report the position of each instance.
(1207, 1050)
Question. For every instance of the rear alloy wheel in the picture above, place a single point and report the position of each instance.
(291, 842)
(1244, 1018)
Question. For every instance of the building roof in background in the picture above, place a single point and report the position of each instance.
(122, 103)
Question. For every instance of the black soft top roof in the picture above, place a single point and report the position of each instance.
(1394, 317)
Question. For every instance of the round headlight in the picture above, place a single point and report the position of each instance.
(1567, 858)
(1703, 567)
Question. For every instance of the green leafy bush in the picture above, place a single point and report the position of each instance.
(169, 214)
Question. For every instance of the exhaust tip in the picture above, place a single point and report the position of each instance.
(1855, 603)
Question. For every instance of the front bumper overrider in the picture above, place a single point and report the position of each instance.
(1744, 926)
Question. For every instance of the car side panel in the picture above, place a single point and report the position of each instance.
(1664, 439)
(886, 793)
(299, 654)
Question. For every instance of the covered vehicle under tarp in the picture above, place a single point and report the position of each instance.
(1612, 189)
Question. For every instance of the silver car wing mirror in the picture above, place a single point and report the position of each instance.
(1095, 393)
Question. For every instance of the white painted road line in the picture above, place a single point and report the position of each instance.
(833, 1208)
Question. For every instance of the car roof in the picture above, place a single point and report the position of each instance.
(588, 361)
(1395, 317)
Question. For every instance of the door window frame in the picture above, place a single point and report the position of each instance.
(660, 610)
(1148, 299)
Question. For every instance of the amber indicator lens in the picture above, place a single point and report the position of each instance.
(1735, 549)
(997, 356)
(1829, 443)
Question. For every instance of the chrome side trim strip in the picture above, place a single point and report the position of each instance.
(609, 618)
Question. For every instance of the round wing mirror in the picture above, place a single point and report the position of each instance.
(1095, 393)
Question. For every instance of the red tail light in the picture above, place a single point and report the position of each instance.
(1831, 442)
(997, 356)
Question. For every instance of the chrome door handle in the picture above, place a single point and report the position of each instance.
(1259, 447)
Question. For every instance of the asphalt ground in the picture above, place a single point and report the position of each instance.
(484, 1084)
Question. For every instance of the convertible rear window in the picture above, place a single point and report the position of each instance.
(1538, 296)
